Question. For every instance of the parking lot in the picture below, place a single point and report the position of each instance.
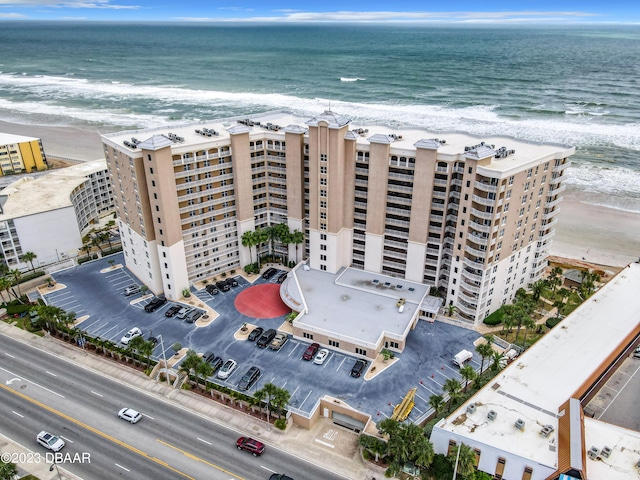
(96, 291)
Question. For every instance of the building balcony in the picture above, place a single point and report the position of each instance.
(456, 182)
(469, 310)
(469, 275)
(556, 190)
(484, 200)
(441, 169)
(432, 262)
(546, 236)
(398, 211)
(452, 218)
(453, 194)
(475, 265)
(404, 177)
(471, 288)
(440, 181)
(436, 218)
(433, 251)
(478, 239)
(473, 251)
(553, 203)
(399, 223)
(391, 243)
(485, 215)
(470, 299)
(562, 167)
(550, 215)
(436, 194)
(393, 254)
(399, 265)
(548, 224)
(393, 187)
(486, 187)
(396, 233)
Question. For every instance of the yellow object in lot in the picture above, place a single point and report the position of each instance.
(403, 409)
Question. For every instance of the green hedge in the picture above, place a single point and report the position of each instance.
(552, 322)
(495, 318)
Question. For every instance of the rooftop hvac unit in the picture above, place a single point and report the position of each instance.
(519, 424)
(471, 408)
(638, 464)
(605, 452)
(492, 415)
(546, 431)
(593, 453)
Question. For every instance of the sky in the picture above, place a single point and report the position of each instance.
(329, 11)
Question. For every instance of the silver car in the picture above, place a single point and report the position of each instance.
(227, 369)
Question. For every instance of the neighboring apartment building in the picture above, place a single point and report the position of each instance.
(47, 215)
(470, 216)
(528, 422)
(20, 154)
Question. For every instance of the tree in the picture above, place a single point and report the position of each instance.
(146, 350)
(388, 426)
(468, 373)
(5, 285)
(466, 460)
(554, 278)
(105, 235)
(452, 387)
(498, 361)
(29, 257)
(8, 470)
(528, 324)
(375, 446)
(260, 236)
(273, 397)
(191, 363)
(537, 289)
(87, 248)
(297, 237)
(136, 345)
(96, 241)
(436, 402)
(204, 369)
(451, 309)
(16, 275)
(485, 351)
(248, 242)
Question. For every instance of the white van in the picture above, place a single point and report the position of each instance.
(461, 357)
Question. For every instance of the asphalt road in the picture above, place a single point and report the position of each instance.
(39, 391)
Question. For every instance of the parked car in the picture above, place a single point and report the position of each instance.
(155, 304)
(311, 351)
(212, 290)
(222, 285)
(358, 368)
(279, 476)
(282, 277)
(255, 333)
(208, 356)
(216, 363)
(227, 369)
(250, 445)
(278, 341)
(132, 290)
(130, 415)
(195, 315)
(50, 441)
(232, 281)
(321, 356)
(249, 378)
(269, 272)
(130, 335)
(153, 341)
(172, 310)
(184, 312)
(266, 338)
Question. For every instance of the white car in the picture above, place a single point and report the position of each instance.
(321, 356)
(130, 415)
(130, 335)
(50, 441)
(227, 369)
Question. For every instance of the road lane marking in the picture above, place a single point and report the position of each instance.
(193, 457)
(9, 355)
(95, 430)
(125, 469)
(148, 416)
(204, 441)
(267, 469)
(50, 373)
(33, 383)
(70, 441)
(96, 393)
(13, 411)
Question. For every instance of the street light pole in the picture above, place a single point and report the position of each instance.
(164, 357)
(455, 469)
(57, 471)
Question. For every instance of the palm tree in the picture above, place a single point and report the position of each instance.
(8, 470)
(452, 387)
(5, 285)
(468, 373)
(272, 395)
(484, 350)
(436, 402)
(87, 248)
(135, 346)
(248, 242)
(16, 276)
(451, 309)
(498, 361)
(376, 446)
(537, 289)
(146, 350)
(29, 257)
(528, 324)
(423, 451)
(388, 426)
(297, 237)
(190, 364)
(104, 235)
(466, 461)
(96, 241)
(204, 369)
(260, 236)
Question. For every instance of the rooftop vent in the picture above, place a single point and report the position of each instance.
(475, 147)
(395, 137)
(387, 284)
(361, 131)
(248, 122)
(605, 452)
(546, 431)
(502, 152)
(593, 453)
(519, 424)
(440, 141)
(492, 415)
(175, 138)
(207, 132)
(411, 289)
(471, 408)
(375, 280)
(638, 464)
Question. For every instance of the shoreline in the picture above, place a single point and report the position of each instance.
(593, 233)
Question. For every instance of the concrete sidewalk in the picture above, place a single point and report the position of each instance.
(325, 444)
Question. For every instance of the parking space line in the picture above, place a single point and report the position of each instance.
(343, 360)
(294, 392)
(425, 401)
(437, 383)
(293, 350)
(305, 399)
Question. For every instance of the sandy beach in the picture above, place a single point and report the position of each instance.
(599, 235)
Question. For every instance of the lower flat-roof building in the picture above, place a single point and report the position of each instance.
(469, 216)
(528, 422)
(19, 154)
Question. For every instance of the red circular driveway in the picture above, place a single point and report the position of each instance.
(261, 301)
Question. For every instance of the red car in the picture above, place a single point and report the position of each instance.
(311, 351)
(250, 445)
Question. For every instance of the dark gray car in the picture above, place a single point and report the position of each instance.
(249, 378)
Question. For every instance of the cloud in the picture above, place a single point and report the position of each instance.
(12, 15)
(297, 16)
(91, 4)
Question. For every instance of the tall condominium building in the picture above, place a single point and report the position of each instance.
(20, 154)
(472, 217)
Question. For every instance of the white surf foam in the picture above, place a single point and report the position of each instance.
(351, 79)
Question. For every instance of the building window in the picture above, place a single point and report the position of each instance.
(323, 247)
(360, 351)
(323, 268)
(308, 335)
(323, 257)
(323, 157)
(323, 193)
(333, 343)
(323, 169)
(323, 236)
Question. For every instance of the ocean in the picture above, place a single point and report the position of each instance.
(578, 85)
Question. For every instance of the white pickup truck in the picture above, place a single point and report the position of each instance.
(462, 357)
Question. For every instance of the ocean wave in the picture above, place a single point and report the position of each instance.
(351, 79)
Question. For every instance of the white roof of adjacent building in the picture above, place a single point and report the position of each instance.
(9, 138)
(403, 141)
(29, 195)
(355, 305)
(545, 376)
